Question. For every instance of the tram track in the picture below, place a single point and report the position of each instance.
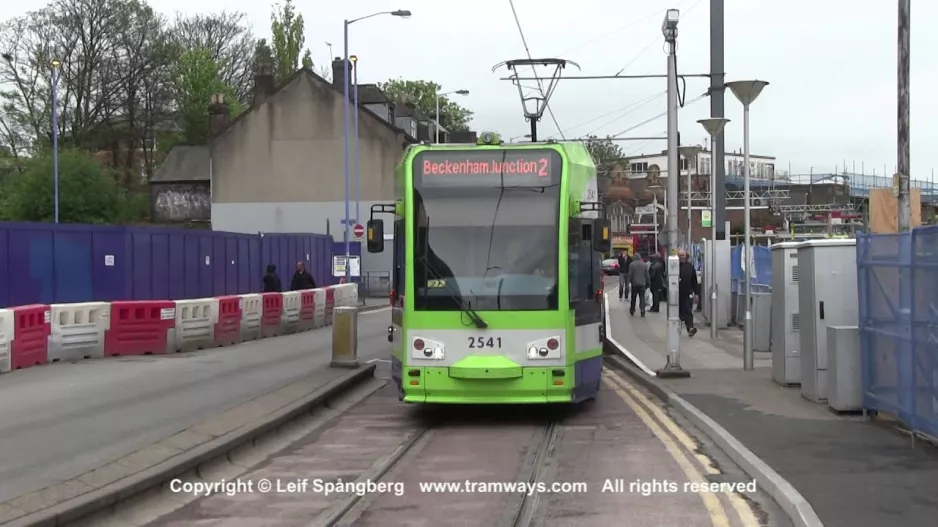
(527, 510)
(342, 512)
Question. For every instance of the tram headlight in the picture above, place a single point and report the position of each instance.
(426, 349)
(546, 348)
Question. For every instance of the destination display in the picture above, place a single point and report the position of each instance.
(487, 167)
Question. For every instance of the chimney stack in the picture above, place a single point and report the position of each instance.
(337, 79)
(218, 114)
(263, 83)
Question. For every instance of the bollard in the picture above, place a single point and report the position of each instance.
(345, 337)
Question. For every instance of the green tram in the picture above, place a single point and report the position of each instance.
(496, 284)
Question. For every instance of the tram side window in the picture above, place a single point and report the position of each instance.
(579, 264)
(397, 273)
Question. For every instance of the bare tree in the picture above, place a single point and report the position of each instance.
(228, 37)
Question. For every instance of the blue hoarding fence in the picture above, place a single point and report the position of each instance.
(897, 277)
(45, 263)
(762, 278)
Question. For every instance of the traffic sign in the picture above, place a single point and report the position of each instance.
(359, 231)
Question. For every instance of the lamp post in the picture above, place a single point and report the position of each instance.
(345, 92)
(354, 60)
(690, 154)
(714, 127)
(438, 97)
(55, 135)
(673, 367)
(747, 92)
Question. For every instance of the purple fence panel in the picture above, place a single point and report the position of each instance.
(4, 267)
(206, 271)
(191, 265)
(31, 267)
(176, 267)
(141, 262)
(218, 262)
(110, 253)
(159, 266)
(72, 279)
(80, 263)
(231, 275)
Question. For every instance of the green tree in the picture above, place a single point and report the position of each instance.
(423, 95)
(195, 79)
(286, 29)
(606, 154)
(87, 193)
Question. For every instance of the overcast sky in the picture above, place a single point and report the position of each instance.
(831, 65)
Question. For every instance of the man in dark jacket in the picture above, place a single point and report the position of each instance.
(656, 274)
(638, 282)
(271, 280)
(302, 279)
(624, 262)
(688, 290)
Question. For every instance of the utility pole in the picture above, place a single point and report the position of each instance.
(673, 336)
(717, 91)
(904, 157)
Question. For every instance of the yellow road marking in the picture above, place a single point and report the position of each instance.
(743, 510)
(664, 419)
(718, 516)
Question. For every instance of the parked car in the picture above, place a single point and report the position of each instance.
(610, 267)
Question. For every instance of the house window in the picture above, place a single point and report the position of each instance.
(636, 168)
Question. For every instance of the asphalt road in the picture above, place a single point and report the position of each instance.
(61, 420)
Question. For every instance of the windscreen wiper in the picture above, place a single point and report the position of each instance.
(476, 319)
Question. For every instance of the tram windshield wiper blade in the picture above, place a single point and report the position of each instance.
(476, 319)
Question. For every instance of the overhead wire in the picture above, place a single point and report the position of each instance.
(540, 85)
(659, 116)
(631, 107)
(613, 32)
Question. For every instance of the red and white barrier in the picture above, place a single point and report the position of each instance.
(38, 334)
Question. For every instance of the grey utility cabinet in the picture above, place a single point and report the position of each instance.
(844, 384)
(827, 296)
(786, 343)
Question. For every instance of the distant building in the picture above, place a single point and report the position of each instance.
(761, 167)
(180, 189)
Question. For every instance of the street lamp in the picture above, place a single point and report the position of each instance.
(673, 366)
(55, 131)
(354, 61)
(747, 92)
(714, 127)
(55, 136)
(438, 97)
(399, 13)
(690, 154)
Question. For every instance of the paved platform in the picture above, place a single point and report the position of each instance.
(645, 340)
(854, 473)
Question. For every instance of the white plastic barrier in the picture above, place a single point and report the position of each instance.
(77, 330)
(252, 307)
(319, 317)
(290, 314)
(6, 337)
(195, 323)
